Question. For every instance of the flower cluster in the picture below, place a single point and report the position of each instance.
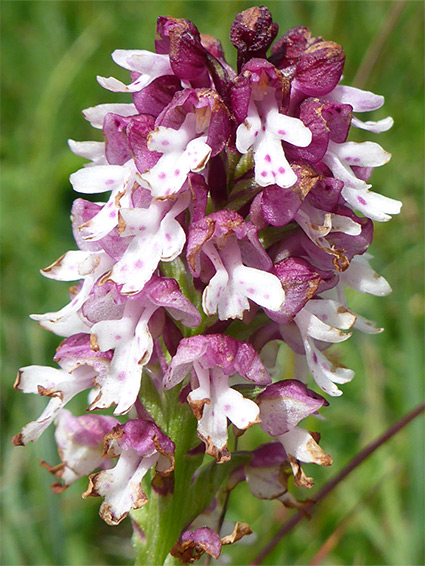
(233, 212)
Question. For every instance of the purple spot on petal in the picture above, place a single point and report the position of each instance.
(121, 376)
(138, 264)
(281, 132)
(356, 160)
(124, 267)
(177, 172)
(325, 317)
(112, 214)
(162, 175)
(251, 290)
(141, 228)
(118, 337)
(264, 173)
(268, 158)
(255, 133)
(227, 407)
(361, 200)
(281, 170)
(315, 358)
(165, 142)
(168, 237)
(267, 296)
(75, 301)
(109, 182)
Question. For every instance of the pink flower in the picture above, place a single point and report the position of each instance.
(139, 445)
(214, 358)
(231, 245)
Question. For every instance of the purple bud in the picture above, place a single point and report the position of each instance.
(117, 150)
(181, 40)
(284, 404)
(155, 96)
(144, 437)
(311, 116)
(338, 120)
(76, 351)
(325, 194)
(300, 282)
(193, 544)
(138, 131)
(320, 68)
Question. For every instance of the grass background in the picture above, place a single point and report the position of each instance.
(51, 52)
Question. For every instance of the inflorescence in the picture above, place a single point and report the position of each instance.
(231, 232)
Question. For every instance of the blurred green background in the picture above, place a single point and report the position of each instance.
(51, 53)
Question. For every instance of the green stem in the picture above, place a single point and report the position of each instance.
(162, 519)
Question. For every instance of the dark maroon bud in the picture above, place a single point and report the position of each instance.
(213, 46)
(164, 26)
(289, 48)
(252, 33)
(315, 64)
